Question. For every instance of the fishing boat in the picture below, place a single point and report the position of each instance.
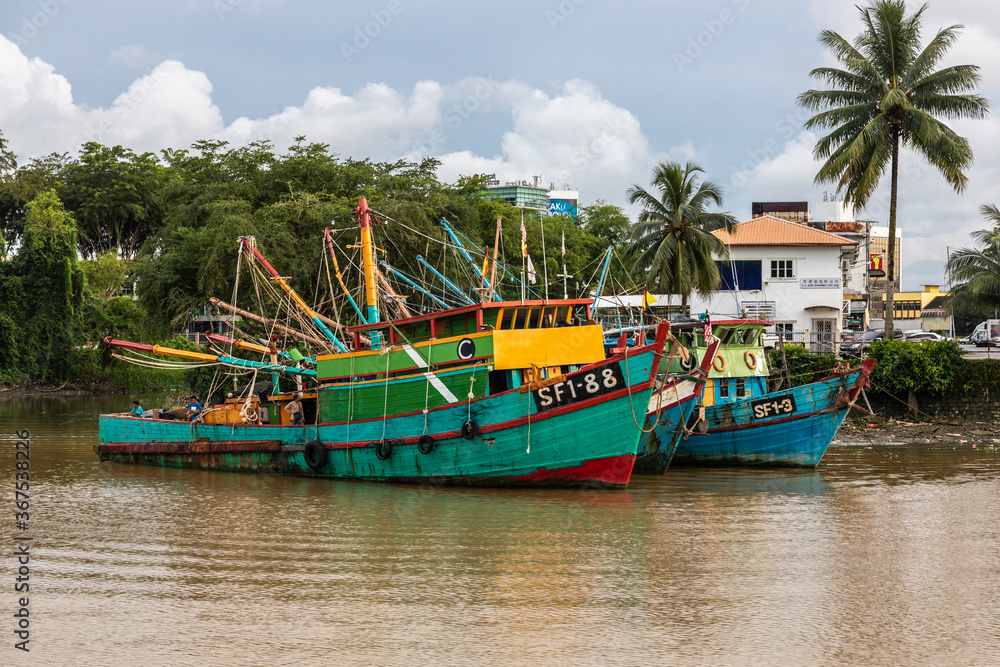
(493, 393)
(740, 422)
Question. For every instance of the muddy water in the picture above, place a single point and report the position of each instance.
(861, 562)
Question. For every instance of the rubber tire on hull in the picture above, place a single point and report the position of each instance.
(469, 430)
(426, 444)
(316, 455)
(383, 449)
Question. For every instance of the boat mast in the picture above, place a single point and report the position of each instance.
(368, 262)
(340, 277)
(493, 269)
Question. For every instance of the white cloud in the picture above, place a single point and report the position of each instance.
(574, 136)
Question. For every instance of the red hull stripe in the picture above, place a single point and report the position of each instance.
(608, 471)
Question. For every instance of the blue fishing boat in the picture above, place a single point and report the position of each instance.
(740, 422)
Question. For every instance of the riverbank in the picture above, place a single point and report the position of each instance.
(882, 430)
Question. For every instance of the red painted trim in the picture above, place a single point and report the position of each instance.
(443, 314)
(613, 471)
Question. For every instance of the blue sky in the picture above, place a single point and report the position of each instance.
(582, 92)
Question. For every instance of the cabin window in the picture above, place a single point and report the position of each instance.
(507, 319)
(521, 318)
(548, 317)
(727, 336)
(500, 381)
(741, 387)
(444, 329)
(723, 388)
(562, 314)
(534, 318)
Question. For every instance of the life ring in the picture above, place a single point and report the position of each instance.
(691, 363)
(469, 430)
(750, 358)
(315, 454)
(383, 449)
(719, 363)
(425, 444)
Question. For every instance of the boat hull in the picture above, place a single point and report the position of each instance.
(664, 427)
(589, 442)
(738, 434)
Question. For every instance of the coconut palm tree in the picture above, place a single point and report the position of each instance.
(975, 272)
(889, 93)
(672, 243)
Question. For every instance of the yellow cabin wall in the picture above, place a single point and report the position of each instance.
(520, 348)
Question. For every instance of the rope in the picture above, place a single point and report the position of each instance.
(385, 398)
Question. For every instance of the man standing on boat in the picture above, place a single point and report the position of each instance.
(194, 409)
(137, 409)
(294, 410)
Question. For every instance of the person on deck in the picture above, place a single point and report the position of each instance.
(194, 409)
(294, 410)
(137, 409)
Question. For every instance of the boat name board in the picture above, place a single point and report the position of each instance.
(772, 406)
(579, 387)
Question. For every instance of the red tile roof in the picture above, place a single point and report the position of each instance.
(767, 230)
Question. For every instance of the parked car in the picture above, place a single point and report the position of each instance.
(857, 346)
(988, 342)
(922, 336)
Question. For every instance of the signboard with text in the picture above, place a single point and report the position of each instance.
(819, 283)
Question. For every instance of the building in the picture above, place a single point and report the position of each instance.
(786, 272)
(793, 211)
(914, 310)
(525, 194)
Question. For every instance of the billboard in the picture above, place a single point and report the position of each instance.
(562, 207)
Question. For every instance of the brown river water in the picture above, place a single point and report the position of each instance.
(861, 562)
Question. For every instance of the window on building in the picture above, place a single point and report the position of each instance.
(784, 328)
(782, 269)
(741, 274)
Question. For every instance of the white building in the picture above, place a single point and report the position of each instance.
(786, 272)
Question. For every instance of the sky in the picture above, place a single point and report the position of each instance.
(583, 93)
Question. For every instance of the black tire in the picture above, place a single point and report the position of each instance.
(316, 455)
(383, 449)
(470, 430)
(691, 363)
(426, 444)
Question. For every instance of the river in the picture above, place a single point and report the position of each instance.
(860, 562)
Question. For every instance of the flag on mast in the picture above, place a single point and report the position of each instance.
(564, 246)
(531, 270)
(647, 300)
(524, 238)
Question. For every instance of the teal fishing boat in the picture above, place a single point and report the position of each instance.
(740, 422)
(493, 393)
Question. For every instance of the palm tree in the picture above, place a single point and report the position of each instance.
(887, 94)
(977, 270)
(672, 242)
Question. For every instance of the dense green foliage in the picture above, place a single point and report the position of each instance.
(803, 366)
(890, 93)
(170, 225)
(925, 367)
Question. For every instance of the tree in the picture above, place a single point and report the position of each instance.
(673, 241)
(607, 222)
(975, 272)
(889, 93)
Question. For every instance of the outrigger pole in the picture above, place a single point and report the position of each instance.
(467, 256)
(468, 301)
(402, 276)
(268, 322)
(246, 245)
(604, 273)
(210, 358)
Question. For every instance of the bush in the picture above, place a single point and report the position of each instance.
(803, 366)
(925, 367)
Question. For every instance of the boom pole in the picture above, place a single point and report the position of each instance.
(368, 263)
(450, 285)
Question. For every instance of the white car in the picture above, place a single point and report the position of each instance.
(921, 336)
